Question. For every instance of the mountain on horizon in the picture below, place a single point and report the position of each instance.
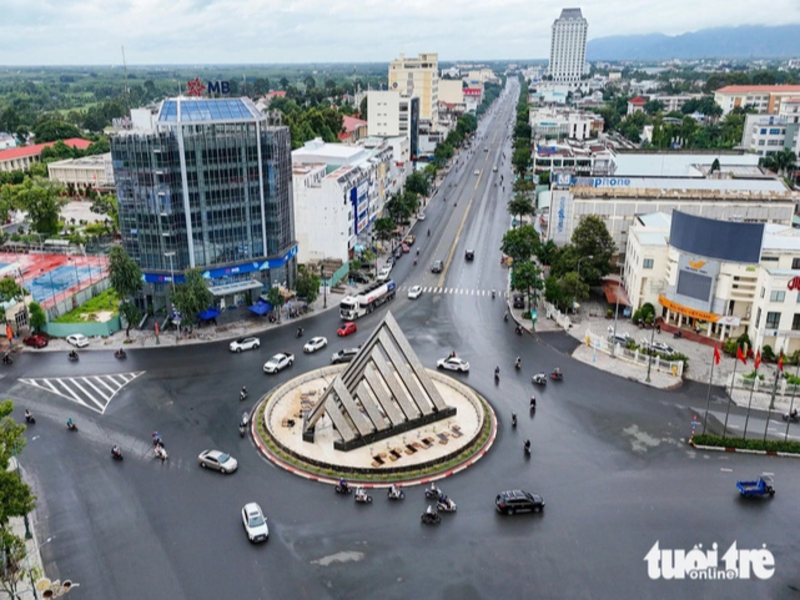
(745, 41)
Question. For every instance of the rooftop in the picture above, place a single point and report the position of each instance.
(96, 160)
(763, 89)
(316, 150)
(209, 110)
(675, 164)
(36, 149)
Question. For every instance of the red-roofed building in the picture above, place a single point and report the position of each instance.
(20, 159)
(636, 104)
(766, 99)
(354, 129)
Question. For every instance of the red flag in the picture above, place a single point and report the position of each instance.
(780, 361)
(717, 357)
(740, 355)
(758, 359)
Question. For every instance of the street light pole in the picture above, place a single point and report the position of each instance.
(324, 286)
(649, 354)
(172, 281)
(578, 270)
(616, 313)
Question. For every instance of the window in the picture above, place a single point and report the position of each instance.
(763, 290)
(760, 142)
(763, 132)
(774, 131)
(758, 317)
(796, 263)
(647, 263)
(777, 296)
(796, 322)
(773, 320)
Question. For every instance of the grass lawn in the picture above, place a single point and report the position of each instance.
(104, 305)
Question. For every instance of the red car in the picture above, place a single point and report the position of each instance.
(37, 340)
(346, 329)
(405, 248)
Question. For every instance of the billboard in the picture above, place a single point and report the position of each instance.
(561, 207)
(696, 281)
(730, 241)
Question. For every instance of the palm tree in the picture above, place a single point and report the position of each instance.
(782, 162)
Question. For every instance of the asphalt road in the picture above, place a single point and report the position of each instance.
(608, 456)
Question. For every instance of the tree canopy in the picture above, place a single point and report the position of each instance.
(192, 296)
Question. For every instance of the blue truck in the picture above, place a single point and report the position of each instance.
(763, 486)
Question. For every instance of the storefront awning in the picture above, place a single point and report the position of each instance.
(208, 314)
(235, 287)
(260, 308)
(615, 291)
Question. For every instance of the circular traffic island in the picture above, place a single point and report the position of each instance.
(299, 426)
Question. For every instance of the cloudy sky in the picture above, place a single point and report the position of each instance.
(57, 32)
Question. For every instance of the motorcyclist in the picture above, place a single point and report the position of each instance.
(518, 362)
(497, 371)
(429, 233)
(513, 419)
(120, 352)
(28, 415)
(533, 401)
(360, 495)
(70, 423)
(505, 317)
(343, 484)
(243, 392)
(393, 490)
(73, 354)
(115, 450)
(299, 331)
(794, 413)
(527, 445)
(429, 511)
(493, 293)
(156, 438)
(6, 359)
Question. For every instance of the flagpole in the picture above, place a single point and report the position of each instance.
(708, 395)
(791, 403)
(771, 403)
(733, 379)
(749, 404)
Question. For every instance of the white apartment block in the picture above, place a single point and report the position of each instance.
(560, 123)
(7, 141)
(418, 77)
(675, 103)
(568, 47)
(451, 91)
(766, 99)
(767, 134)
(390, 114)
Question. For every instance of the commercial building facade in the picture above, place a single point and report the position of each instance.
(768, 134)
(418, 77)
(22, 157)
(561, 123)
(391, 114)
(208, 188)
(568, 47)
(721, 277)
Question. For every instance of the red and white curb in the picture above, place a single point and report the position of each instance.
(286, 466)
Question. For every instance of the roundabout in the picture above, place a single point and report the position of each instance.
(382, 418)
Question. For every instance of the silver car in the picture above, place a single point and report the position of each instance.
(219, 461)
(246, 343)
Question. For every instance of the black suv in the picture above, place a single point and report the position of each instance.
(519, 301)
(469, 254)
(344, 356)
(359, 277)
(437, 266)
(515, 501)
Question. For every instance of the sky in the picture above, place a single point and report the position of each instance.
(83, 32)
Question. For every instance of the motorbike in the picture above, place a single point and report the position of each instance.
(157, 441)
(116, 454)
(497, 377)
(433, 493)
(794, 418)
(346, 489)
(533, 403)
(518, 330)
(242, 395)
(527, 447)
(243, 424)
(505, 317)
(29, 418)
(556, 375)
(677, 334)
(396, 495)
(513, 419)
(161, 453)
(493, 294)
(448, 506)
(518, 365)
(71, 426)
(539, 379)
(120, 354)
(427, 518)
(7, 360)
(363, 498)
(299, 333)
(73, 356)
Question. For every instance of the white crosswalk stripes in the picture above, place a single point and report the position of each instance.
(454, 291)
(93, 391)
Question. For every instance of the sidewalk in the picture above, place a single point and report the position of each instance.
(33, 560)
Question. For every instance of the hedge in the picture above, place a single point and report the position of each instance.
(791, 447)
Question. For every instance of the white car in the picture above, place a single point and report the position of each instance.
(247, 343)
(415, 292)
(279, 362)
(477, 172)
(453, 363)
(386, 271)
(78, 340)
(314, 344)
(494, 170)
(217, 460)
(421, 216)
(255, 523)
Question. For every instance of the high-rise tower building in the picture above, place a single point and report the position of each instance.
(209, 186)
(419, 77)
(568, 46)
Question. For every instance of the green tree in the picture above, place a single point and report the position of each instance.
(261, 86)
(284, 83)
(520, 243)
(126, 279)
(653, 107)
(591, 238)
(9, 289)
(307, 284)
(50, 130)
(363, 109)
(418, 184)
(42, 200)
(554, 294)
(384, 227)
(781, 162)
(573, 287)
(523, 186)
(38, 318)
(547, 252)
(192, 296)
(276, 299)
(526, 277)
(309, 82)
(521, 159)
(520, 205)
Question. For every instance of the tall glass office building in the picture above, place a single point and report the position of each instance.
(209, 187)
